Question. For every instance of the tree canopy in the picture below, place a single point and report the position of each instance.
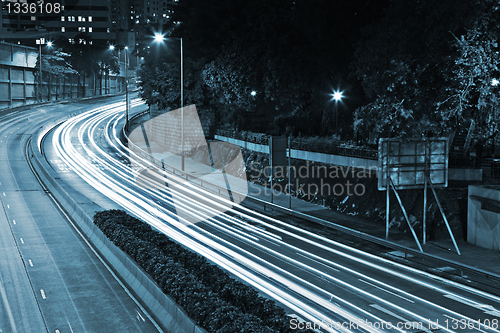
(293, 54)
(427, 66)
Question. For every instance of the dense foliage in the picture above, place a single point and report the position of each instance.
(293, 54)
(208, 294)
(428, 66)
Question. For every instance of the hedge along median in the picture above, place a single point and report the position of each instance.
(209, 296)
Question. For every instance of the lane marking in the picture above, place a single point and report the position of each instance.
(31, 263)
(14, 221)
(22, 241)
(486, 308)
(8, 206)
(3, 194)
(42, 292)
(318, 262)
(395, 315)
(387, 291)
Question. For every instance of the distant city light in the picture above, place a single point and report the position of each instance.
(253, 93)
(49, 44)
(111, 47)
(495, 82)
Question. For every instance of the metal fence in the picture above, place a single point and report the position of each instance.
(303, 144)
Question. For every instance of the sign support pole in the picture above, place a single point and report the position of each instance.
(272, 166)
(387, 195)
(289, 174)
(426, 172)
(424, 232)
(444, 216)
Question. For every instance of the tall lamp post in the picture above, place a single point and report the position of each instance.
(112, 47)
(337, 96)
(158, 38)
(40, 42)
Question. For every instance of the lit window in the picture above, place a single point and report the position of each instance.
(62, 18)
(90, 29)
(90, 42)
(90, 18)
(83, 19)
(107, 30)
(63, 29)
(33, 18)
(79, 18)
(83, 29)
(137, 21)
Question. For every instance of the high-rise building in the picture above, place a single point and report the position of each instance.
(58, 17)
(152, 11)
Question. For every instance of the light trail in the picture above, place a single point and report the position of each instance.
(226, 239)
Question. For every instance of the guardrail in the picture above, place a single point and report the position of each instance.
(299, 144)
(462, 269)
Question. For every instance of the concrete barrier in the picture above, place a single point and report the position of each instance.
(355, 162)
(167, 313)
(483, 216)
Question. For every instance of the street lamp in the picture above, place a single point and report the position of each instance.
(159, 38)
(253, 94)
(112, 47)
(39, 42)
(337, 96)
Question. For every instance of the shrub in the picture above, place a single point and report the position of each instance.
(207, 293)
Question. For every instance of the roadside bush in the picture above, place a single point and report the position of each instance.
(212, 298)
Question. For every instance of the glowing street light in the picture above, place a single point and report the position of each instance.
(337, 97)
(253, 93)
(158, 37)
(495, 82)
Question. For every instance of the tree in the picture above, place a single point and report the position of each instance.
(421, 66)
(55, 65)
(290, 52)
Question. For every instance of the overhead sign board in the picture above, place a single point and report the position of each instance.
(407, 161)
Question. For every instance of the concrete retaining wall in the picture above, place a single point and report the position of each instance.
(307, 155)
(166, 311)
(483, 216)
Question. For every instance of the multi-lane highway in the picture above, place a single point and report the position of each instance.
(318, 279)
(50, 279)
